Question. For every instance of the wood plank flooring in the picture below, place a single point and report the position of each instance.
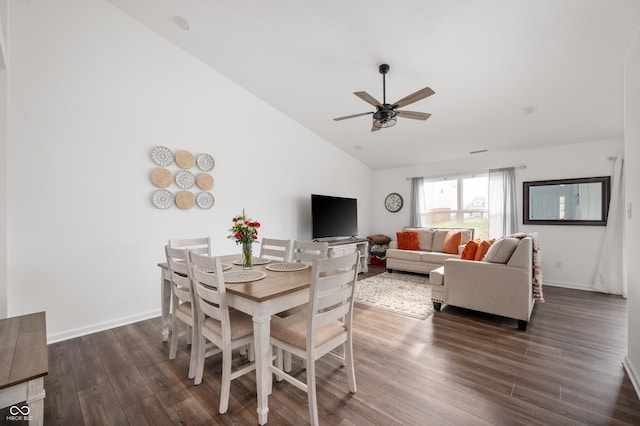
(456, 368)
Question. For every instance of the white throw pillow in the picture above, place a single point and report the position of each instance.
(438, 239)
(501, 250)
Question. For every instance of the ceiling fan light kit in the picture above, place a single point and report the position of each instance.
(386, 114)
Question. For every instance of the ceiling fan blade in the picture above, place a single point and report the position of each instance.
(414, 115)
(375, 129)
(368, 98)
(353, 116)
(414, 97)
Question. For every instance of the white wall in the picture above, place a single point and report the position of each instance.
(92, 92)
(632, 195)
(3, 161)
(576, 247)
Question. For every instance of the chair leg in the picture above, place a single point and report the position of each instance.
(195, 348)
(225, 388)
(173, 344)
(199, 361)
(279, 362)
(311, 393)
(351, 373)
(287, 361)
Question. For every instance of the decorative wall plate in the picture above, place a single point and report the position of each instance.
(185, 200)
(185, 159)
(162, 156)
(205, 162)
(161, 177)
(287, 266)
(204, 181)
(243, 276)
(205, 200)
(162, 199)
(185, 179)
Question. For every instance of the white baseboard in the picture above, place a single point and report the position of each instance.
(633, 374)
(83, 331)
(573, 286)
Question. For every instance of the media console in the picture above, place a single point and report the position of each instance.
(346, 246)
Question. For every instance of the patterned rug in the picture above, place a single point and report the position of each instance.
(406, 294)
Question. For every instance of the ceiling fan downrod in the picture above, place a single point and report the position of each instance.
(384, 69)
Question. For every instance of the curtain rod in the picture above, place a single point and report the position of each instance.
(463, 173)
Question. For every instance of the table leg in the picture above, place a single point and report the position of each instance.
(165, 304)
(261, 333)
(35, 401)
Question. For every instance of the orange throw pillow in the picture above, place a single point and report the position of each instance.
(408, 240)
(451, 242)
(469, 252)
(482, 249)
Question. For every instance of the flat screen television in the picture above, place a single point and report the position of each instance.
(333, 217)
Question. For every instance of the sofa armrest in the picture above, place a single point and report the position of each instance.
(489, 287)
(393, 244)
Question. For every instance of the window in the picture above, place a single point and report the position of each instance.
(460, 202)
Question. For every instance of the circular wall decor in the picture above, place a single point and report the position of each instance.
(185, 200)
(393, 202)
(162, 199)
(205, 200)
(161, 177)
(162, 156)
(205, 162)
(204, 181)
(185, 159)
(185, 179)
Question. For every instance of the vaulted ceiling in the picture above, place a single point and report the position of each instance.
(508, 74)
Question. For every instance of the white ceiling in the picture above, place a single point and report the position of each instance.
(485, 59)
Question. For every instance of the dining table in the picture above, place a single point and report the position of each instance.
(273, 292)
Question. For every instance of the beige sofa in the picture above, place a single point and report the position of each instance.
(500, 285)
(430, 255)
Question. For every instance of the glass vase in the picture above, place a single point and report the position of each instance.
(247, 255)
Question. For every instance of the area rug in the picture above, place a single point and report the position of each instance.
(406, 294)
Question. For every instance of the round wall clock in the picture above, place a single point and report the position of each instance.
(393, 202)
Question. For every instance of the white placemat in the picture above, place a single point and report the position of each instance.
(243, 276)
(287, 266)
(255, 261)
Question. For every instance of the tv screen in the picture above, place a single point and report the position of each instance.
(334, 216)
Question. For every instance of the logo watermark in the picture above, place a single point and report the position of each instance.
(19, 413)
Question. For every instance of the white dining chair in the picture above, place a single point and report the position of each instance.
(184, 310)
(201, 245)
(225, 329)
(326, 325)
(308, 251)
(275, 249)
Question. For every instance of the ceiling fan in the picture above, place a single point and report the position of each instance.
(386, 114)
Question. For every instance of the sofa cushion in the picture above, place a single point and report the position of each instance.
(438, 239)
(469, 252)
(451, 242)
(436, 257)
(410, 255)
(483, 247)
(425, 239)
(501, 250)
(408, 240)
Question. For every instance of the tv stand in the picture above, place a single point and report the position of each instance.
(345, 246)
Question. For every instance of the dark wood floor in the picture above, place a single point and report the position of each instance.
(456, 368)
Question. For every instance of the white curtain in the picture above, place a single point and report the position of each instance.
(610, 277)
(417, 201)
(503, 213)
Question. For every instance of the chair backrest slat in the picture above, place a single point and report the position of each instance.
(274, 249)
(200, 245)
(309, 251)
(179, 273)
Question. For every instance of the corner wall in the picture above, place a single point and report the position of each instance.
(632, 195)
(4, 93)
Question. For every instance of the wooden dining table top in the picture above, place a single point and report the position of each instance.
(275, 284)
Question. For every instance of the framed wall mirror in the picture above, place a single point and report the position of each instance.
(583, 201)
